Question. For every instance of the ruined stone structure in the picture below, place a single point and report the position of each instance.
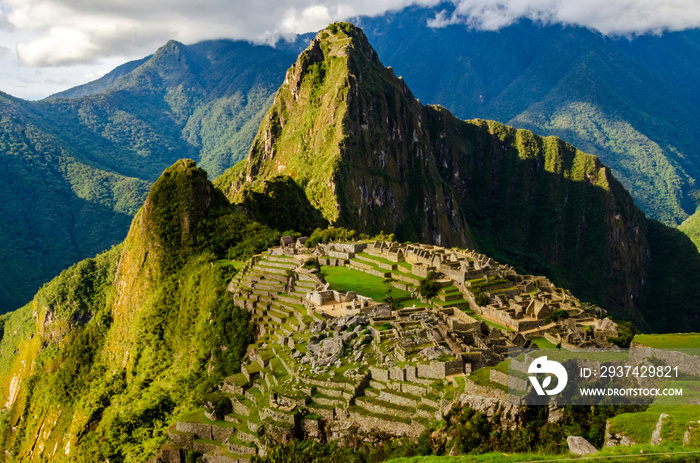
(328, 364)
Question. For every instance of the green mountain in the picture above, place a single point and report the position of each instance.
(99, 146)
(104, 355)
(691, 227)
(78, 165)
(110, 352)
(370, 157)
(632, 102)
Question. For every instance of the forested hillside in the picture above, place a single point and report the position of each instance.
(77, 166)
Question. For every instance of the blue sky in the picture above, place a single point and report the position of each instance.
(50, 45)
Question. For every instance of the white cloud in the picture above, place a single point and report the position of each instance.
(68, 32)
(83, 31)
(611, 17)
(5, 25)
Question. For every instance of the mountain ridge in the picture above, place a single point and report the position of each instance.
(372, 158)
(109, 350)
(613, 97)
(96, 155)
(123, 138)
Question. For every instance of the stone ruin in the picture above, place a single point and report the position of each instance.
(372, 369)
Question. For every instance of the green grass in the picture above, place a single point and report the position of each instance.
(460, 383)
(669, 341)
(662, 453)
(449, 303)
(639, 426)
(347, 279)
(195, 416)
(375, 258)
(543, 343)
(482, 378)
(238, 379)
(490, 323)
(236, 264)
(411, 302)
(363, 412)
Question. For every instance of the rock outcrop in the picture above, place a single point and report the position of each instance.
(656, 438)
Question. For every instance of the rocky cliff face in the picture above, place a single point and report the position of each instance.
(352, 135)
(371, 157)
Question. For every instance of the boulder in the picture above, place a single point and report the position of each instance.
(381, 311)
(555, 414)
(580, 446)
(331, 350)
(313, 349)
(689, 433)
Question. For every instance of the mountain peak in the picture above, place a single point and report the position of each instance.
(164, 232)
(177, 201)
(337, 41)
(336, 92)
(371, 157)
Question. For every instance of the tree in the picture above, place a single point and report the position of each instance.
(428, 287)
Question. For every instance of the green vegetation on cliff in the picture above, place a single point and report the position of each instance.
(77, 166)
(97, 364)
(691, 227)
(370, 157)
(473, 437)
(631, 101)
(281, 204)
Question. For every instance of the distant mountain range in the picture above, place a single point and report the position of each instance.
(78, 164)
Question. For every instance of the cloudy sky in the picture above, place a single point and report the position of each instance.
(50, 45)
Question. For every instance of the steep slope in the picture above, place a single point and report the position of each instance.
(691, 227)
(283, 205)
(371, 157)
(56, 208)
(337, 88)
(95, 366)
(632, 102)
(78, 165)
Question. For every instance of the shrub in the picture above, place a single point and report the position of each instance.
(429, 287)
(557, 315)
